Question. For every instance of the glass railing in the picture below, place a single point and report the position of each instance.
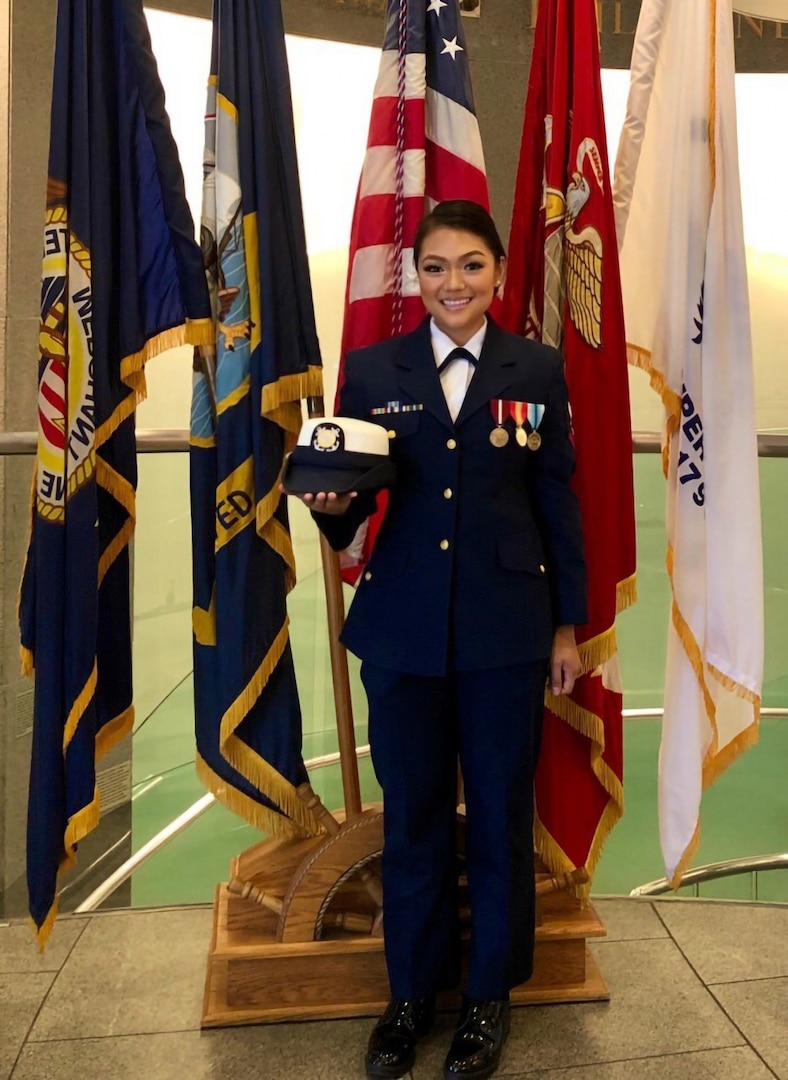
(744, 814)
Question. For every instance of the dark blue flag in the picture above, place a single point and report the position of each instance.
(122, 280)
(246, 413)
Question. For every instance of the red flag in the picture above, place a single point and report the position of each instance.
(423, 147)
(563, 287)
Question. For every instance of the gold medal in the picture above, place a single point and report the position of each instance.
(534, 440)
(520, 435)
(499, 436)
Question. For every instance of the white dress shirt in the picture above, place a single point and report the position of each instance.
(456, 379)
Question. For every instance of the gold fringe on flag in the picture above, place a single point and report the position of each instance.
(288, 418)
(589, 725)
(278, 538)
(235, 395)
(119, 416)
(292, 388)
(261, 817)
(626, 593)
(113, 731)
(686, 859)
(77, 710)
(43, 933)
(550, 851)
(735, 688)
(191, 332)
(248, 763)
(204, 622)
(597, 650)
(87, 819)
(715, 764)
(27, 660)
(77, 829)
(641, 358)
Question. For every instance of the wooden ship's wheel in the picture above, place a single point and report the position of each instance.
(298, 931)
(298, 927)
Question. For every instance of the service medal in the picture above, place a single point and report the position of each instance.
(499, 436)
(534, 440)
(522, 438)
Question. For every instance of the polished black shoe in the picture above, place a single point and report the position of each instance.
(476, 1047)
(392, 1045)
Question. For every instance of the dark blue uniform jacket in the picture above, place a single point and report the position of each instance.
(480, 555)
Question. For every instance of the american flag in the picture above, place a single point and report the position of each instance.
(423, 147)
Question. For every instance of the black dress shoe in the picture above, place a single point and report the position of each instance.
(476, 1047)
(392, 1045)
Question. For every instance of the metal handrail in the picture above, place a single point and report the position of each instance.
(197, 809)
(712, 871)
(149, 441)
(658, 713)
(176, 440)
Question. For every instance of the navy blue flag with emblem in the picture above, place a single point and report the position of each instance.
(122, 280)
(246, 413)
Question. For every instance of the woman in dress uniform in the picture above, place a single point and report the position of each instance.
(468, 604)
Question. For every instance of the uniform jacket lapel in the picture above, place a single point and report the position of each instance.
(494, 374)
(418, 375)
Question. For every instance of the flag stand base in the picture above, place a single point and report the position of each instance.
(297, 932)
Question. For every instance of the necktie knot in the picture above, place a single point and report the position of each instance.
(457, 354)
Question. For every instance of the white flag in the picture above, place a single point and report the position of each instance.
(684, 279)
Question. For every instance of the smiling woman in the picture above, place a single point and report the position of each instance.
(458, 280)
(458, 274)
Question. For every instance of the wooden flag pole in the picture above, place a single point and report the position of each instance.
(335, 606)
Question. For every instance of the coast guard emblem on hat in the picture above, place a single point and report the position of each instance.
(341, 454)
(327, 438)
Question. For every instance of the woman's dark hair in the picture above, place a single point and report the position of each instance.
(464, 215)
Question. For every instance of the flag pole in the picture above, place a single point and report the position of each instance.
(343, 704)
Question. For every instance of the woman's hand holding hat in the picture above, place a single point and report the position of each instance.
(323, 502)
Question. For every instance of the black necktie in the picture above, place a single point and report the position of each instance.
(456, 354)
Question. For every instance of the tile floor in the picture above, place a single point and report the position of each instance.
(698, 989)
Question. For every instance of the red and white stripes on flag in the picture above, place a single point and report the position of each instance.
(424, 146)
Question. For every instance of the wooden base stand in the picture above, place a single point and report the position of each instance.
(297, 933)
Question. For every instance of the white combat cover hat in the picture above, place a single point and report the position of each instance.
(341, 454)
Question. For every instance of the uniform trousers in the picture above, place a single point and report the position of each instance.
(418, 727)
